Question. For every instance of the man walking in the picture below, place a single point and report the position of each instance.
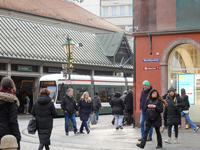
(68, 106)
(146, 89)
(129, 106)
(96, 105)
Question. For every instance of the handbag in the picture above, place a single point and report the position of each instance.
(151, 112)
(177, 108)
(32, 126)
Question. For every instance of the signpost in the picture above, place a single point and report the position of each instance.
(151, 60)
(151, 68)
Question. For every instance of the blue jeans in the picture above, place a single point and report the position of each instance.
(84, 124)
(97, 114)
(73, 119)
(142, 121)
(89, 119)
(118, 120)
(187, 118)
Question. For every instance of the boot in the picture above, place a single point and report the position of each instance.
(168, 140)
(47, 147)
(176, 141)
(41, 146)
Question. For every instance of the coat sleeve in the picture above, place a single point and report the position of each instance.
(141, 101)
(79, 104)
(53, 110)
(33, 110)
(159, 107)
(165, 116)
(63, 104)
(111, 103)
(186, 99)
(146, 105)
(181, 103)
(99, 102)
(92, 108)
(122, 103)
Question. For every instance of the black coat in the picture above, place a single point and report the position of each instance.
(68, 104)
(158, 110)
(85, 109)
(143, 97)
(117, 105)
(96, 102)
(171, 116)
(44, 111)
(8, 116)
(129, 101)
(187, 104)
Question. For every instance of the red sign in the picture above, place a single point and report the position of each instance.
(151, 68)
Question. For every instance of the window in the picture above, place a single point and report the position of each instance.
(105, 11)
(122, 10)
(114, 11)
(130, 10)
(61, 93)
(79, 91)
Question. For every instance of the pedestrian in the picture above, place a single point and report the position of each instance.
(26, 104)
(96, 105)
(153, 108)
(171, 115)
(129, 106)
(117, 106)
(124, 95)
(124, 122)
(185, 111)
(44, 110)
(144, 94)
(69, 108)
(86, 107)
(9, 104)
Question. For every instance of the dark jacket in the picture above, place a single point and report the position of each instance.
(68, 104)
(158, 110)
(187, 104)
(96, 102)
(85, 109)
(44, 111)
(8, 115)
(143, 98)
(117, 105)
(129, 101)
(171, 116)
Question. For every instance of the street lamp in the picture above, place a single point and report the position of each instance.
(68, 48)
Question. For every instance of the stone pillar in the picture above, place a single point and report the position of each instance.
(92, 72)
(9, 70)
(114, 74)
(164, 78)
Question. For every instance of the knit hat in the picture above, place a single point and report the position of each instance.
(171, 89)
(96, 93)
(146, 82)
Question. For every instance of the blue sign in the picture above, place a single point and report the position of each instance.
(151, 60)
(186, 81)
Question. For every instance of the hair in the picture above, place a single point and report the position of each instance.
(83, 97)
(158, 96)
(183, 92)
(69, 89)
(45, 91)
(8, 84)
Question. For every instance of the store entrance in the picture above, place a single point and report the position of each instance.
(24, 89)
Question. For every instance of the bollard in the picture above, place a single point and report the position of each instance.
(8, 142)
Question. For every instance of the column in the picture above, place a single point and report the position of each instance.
(9, 70)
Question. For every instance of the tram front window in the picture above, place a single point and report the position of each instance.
(51, 86)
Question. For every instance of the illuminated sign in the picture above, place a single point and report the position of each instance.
(42, 83)
(24, 68)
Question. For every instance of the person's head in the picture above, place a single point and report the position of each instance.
(8, 84)
(70, 92)
(145, 84)
(43, 91)
(154, 94)
(85, 96)
(171, 91)
(131, 91)
(183, 92)
(125, 92)
(96, 93)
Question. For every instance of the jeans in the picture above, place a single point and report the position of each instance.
(159, 137)
(84, 124)
(118, 120)
(96, 112)
(73, 119)
(89, 119)
(187, 118)
(142, 121)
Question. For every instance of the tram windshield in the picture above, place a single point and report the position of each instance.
(51, 86)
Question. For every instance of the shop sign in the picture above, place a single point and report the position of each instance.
(151, 60)
(186, 81)
(121, 74)
(151, 68)
(24, 68)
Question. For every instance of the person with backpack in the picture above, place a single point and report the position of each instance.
(96, 105)
(153, 109)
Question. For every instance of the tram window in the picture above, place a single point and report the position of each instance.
(118, 89)
(110, 93)
(102, 94)
(61, 93)
(79, 92)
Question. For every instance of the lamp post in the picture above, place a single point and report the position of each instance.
(68, 48)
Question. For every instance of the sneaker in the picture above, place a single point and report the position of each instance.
(176, 141)
(88, 132)
(159, 146)
(149, 139)
(76, 133)
(140, 146)
(168, 140)
(117, 128)
(196, 129)
(112, 122)
(121, 127)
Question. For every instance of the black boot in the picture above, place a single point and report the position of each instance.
(41, 146)
(47, 147)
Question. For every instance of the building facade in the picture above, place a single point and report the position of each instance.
(170, 55)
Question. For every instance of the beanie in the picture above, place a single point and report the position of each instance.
(171, 89)
(146, 82)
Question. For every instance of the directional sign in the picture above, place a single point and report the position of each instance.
(151, 60)
(151, 68)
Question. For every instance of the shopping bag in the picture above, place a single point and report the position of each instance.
(32, 126)
(93, 119)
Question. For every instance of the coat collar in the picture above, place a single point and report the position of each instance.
(7, 97)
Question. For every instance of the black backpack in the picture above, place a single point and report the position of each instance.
(151, 114)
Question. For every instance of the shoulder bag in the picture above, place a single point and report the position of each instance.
(32, 126)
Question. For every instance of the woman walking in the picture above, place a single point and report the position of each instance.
(44, 111)
(171, 115)
(8, 110)
(117, 106)
(86, 107)
(153, 108)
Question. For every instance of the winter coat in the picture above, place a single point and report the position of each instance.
(143, 98)
(158, 110)
(123, 96)
(85, 109)
(129, 102)
(68, 104)
(8, 115)
(117, 105)
(171, 116)
(96, 102)
(187, 104)
(44, 111)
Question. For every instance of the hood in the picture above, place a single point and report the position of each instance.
(43, 99)
(7, 97)
(117, 94)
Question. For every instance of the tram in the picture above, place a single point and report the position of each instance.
(105, 86)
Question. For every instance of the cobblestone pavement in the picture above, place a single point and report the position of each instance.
(103, 136)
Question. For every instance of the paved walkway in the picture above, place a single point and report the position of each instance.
(104, 136)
